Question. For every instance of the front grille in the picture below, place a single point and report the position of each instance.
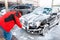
(32, 27)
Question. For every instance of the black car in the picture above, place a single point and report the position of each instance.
(24, 9)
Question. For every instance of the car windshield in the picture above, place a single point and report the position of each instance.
(2, 8)
(40, 10)
(11, 7)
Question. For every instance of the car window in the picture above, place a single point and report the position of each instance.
(47, 10)
(24, 7)
(11, 7)
(17, 7)
(2, 5)
(27, 7)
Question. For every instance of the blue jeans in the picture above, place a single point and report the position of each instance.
(7, 35)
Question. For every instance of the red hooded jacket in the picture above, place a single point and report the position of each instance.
(8, 20)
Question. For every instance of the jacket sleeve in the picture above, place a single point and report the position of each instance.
(17, 21)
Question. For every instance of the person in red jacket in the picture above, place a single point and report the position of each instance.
(8, 21)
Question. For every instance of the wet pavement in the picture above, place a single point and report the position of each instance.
(53, 34)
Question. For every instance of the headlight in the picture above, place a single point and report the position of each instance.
(30, 24)
(24, 23)
(34, 24)
(38, 23)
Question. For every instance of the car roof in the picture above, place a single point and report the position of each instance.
(21, 5)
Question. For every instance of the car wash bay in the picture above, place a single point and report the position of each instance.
(53, 34)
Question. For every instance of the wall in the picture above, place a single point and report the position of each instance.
(45, 3)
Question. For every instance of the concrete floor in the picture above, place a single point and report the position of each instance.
(53, 34)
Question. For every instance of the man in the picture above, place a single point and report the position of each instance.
(8, 21)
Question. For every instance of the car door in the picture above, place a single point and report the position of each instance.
(52, 20)
(24, 9)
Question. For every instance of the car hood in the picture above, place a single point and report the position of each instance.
(33, 17)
